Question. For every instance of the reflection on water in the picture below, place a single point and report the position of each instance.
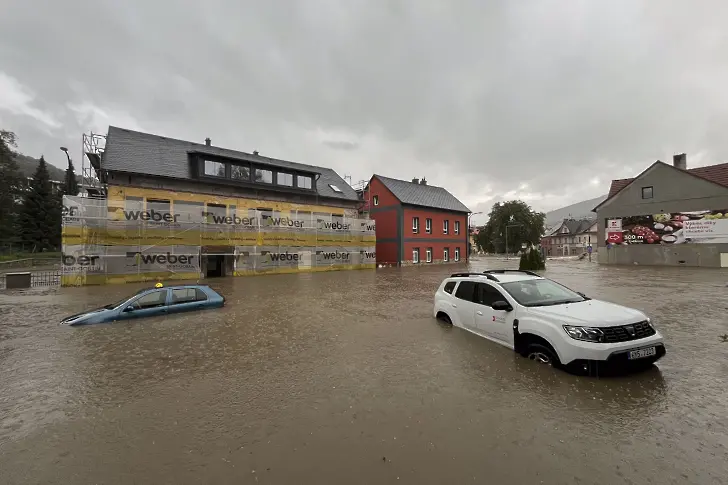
(345, 378)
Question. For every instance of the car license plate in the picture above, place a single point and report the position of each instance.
(642, 353)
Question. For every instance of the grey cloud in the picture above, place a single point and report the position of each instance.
(550, 93)
(342, 145)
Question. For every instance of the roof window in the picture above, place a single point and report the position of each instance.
(335, 188)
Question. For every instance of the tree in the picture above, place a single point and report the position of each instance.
(10, 183)
(70, 184)
(40, 215)
(513, 221)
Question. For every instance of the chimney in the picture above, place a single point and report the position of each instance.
(680, 161)
(423, 181)
(255, 152)
(415, 181)
(208, 141)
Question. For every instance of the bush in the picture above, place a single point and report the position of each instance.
(531, 260)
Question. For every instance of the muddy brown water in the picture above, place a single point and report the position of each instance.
(344, 377)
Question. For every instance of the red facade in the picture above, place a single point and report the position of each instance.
(397, 240)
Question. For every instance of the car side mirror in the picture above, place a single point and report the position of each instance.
(501, 305)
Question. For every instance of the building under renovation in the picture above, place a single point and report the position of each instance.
(155, 208)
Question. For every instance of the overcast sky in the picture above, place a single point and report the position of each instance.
(546, 101)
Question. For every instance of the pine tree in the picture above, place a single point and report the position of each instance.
(40, 215)
(70, 184)
(11, 179)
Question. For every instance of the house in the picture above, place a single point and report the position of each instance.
(176, 209)
(416, 222)
(570, 238)
(666, 215)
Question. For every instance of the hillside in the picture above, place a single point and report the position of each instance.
(579, 210)
(27, 166)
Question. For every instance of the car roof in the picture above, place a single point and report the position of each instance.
(172, 287)
(498, 276)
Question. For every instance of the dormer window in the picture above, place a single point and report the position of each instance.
(262, 175)
(239, 172)
(251, 173)
(214, 169)
(304, 182)
(285, 179)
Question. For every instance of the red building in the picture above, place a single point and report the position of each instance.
(416, 222)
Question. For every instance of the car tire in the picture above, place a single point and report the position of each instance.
(444, 318)
(541, 354)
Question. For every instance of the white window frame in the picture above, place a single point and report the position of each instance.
(428, 225)
(284, 178)
(457, 227)
(415, 225)
(457, 254)
(428, 255)
(416, 255)
(375, 199)
(446, 254)
(445, 226)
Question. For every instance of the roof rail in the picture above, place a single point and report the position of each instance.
(503, 271)
(463, 275)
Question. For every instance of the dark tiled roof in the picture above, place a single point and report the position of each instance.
(422, 195)
(135, 152)
(575, 226)
(717, 174)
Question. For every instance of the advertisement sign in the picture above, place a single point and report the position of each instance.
(701, 227)
(614, 225)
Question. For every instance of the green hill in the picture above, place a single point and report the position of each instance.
(27, 166)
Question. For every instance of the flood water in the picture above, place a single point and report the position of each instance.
(344, 377)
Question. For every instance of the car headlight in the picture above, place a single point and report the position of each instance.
(587, 334)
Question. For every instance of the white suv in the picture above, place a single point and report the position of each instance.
(547, 322)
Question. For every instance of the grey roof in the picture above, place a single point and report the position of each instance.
(422, 195)
(575, 226)
(144, 153)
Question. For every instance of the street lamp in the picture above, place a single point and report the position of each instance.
(469, 246)
(65, 150)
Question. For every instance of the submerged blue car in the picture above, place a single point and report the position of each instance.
(151, 302)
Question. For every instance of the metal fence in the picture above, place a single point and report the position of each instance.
(39, 279)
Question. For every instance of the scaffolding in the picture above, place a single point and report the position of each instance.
(364, 197)
(146, 241)
(92, 148)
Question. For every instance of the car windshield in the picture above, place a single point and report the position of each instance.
(541, 292)
(111, 306)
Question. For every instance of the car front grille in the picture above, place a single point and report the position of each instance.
(625, 333)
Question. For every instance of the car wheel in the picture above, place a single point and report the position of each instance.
(541, 354)
(444, 318)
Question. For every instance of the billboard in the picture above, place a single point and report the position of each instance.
(696, 227)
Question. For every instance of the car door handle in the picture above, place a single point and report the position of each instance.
(454, 305)
(480, 313)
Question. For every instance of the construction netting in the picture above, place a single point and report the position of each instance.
(144, 241)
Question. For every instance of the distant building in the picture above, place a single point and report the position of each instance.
(570, 238)
(416, 222)
(667, 215)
